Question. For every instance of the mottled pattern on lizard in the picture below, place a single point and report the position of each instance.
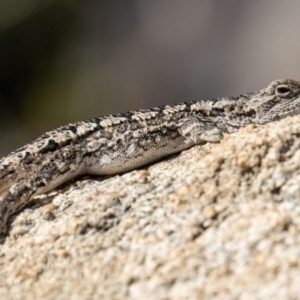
(118, 143)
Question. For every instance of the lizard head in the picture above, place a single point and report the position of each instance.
(280, 99)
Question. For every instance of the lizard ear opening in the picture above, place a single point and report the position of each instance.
(283, 90)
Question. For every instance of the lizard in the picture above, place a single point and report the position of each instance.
(119, 143)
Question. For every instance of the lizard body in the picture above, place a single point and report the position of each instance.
(118, 143)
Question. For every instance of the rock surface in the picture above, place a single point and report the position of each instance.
(218, 221)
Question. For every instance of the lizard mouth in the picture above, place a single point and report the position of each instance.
(285, 108)
(291, 112)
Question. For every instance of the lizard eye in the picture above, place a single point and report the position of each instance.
(283, 90)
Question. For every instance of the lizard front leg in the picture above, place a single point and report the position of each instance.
(57, 168)
(199, 132)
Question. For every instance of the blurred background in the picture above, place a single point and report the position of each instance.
(69, 60)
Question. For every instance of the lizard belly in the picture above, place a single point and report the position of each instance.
(135, 155)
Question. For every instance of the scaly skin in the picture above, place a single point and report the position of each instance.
(119, 143)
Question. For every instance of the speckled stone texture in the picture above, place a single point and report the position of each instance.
(219, 221)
